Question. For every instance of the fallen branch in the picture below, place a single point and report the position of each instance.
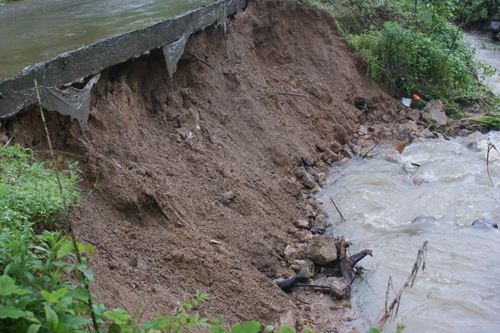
(333, 202)
(99, 246)
(389, 311)
(292, 94)
(202, 61)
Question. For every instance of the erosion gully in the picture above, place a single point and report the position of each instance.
(458, 290)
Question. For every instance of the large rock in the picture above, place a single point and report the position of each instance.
(484, 223)
(472, 140)
(339, 287)
(413, 114)
(323, 250)
(436, 113)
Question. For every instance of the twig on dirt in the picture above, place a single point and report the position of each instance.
(272, 202)
(202, 61)
(291, 94)
(301, 301)
(10, 138)
(99, 246)
(333, 202)
(409, 282)
(70, 223)
(158, 204)
(99, 168)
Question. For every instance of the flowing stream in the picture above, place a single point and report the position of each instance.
(487, 51)
(33, 31)
(458, 291)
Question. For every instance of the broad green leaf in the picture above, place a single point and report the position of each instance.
(11, 312)
(114, 328)
(248, 327)
(373, 330)
(86, 271)
(153, 324)
(217, 329)
(74, 322)
(34, 328)
(7, 285)
(49, 298)
(51, 317)
(81, 294)
(65, 248)
(118, 315)
(22, 291)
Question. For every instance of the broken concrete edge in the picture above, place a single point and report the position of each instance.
(18, 93)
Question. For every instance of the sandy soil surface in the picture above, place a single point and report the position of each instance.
(222, 158)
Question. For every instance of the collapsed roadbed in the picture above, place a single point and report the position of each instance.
(197, 182)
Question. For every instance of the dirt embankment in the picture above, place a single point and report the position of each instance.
(221, 156)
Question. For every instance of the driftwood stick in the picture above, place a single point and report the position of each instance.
(202, 61)
(409, 282)
(333, 202)
(292, 94)
(355, 258)
(289, 283)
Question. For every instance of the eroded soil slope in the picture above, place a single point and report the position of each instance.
(224, 130)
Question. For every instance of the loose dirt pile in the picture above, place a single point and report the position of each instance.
(222, 157)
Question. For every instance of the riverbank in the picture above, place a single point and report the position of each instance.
(200, 190)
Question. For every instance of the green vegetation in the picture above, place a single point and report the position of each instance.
(411, 47)
(474, 11)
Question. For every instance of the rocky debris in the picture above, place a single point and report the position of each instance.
(229, 195)
(362, 130)
(435, 112)
(484, 223)
(346, 151)
(426, 134)
(323, 250)
(413, 114)
(304, 267)
(301, 224)
(472, 140)
(339, 287)
(305, 178)
(409, 126)
(318, 230)
(290, 252)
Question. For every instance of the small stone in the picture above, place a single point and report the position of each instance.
(295, 267)
(323, 250)
(301, 224)
(413, 114)
(436, 113)
(3, 139)
(347, 152)
(339, 287)
(410, 126)
(229, 195)
(362, 130)
(426, 134)
(331, 155)
(290, 252)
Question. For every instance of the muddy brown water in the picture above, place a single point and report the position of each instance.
(458, 291)
(38, 30)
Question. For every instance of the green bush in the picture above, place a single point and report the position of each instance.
(473, 11)
(409, 61)
(29, 191)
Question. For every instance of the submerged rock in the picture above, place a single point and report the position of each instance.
(472, 140)
(484, 223)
